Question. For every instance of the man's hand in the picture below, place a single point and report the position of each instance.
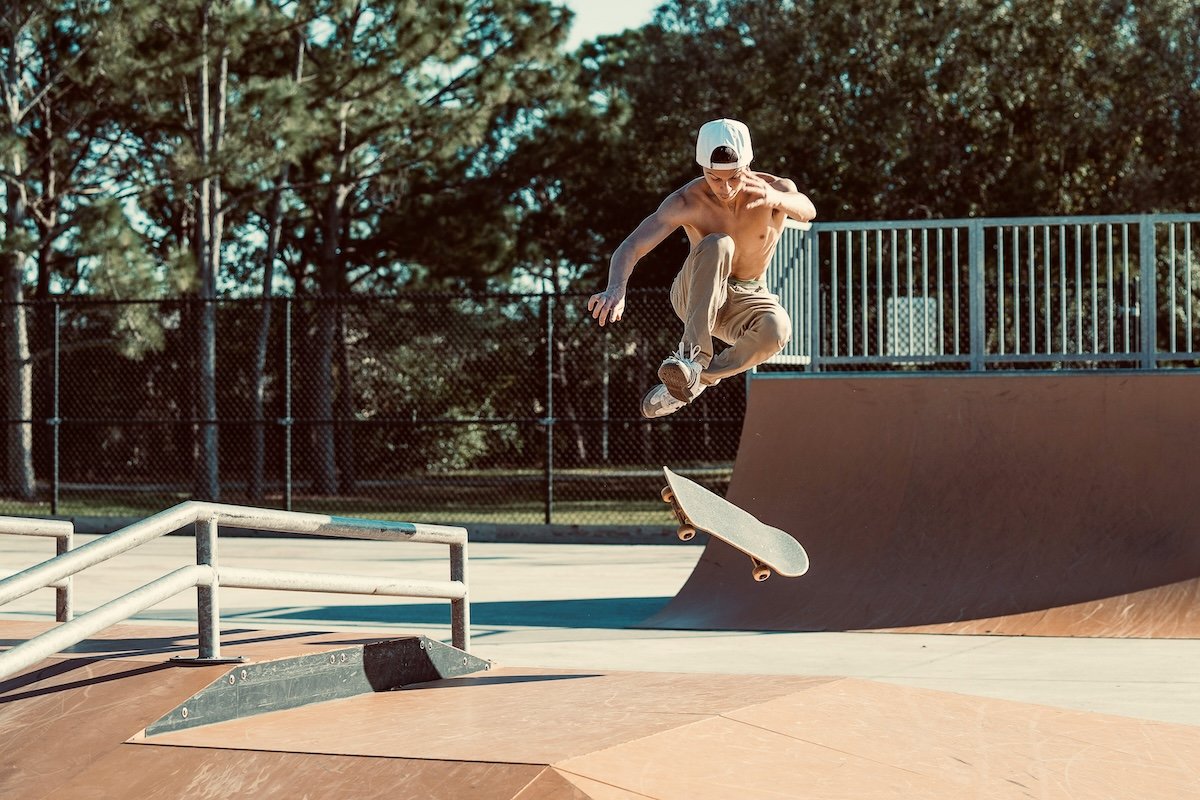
(608, 305)
(759, 192)
(781, 196)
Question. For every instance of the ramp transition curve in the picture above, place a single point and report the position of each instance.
(1035, 504)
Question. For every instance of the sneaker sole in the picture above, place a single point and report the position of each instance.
(674, 377)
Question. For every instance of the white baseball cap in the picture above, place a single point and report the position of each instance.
(724, 133)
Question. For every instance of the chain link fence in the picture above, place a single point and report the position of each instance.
(505, 408)
(518, 408)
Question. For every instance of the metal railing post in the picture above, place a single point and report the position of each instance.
(208, 607)
(975, 305)
(1148, 258)
(460, 609)
(64, 596)
(812, 285)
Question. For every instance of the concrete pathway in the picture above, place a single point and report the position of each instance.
(575, 607)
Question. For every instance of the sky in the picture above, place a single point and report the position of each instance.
(598, 17)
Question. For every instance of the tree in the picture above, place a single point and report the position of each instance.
(54, 145)
(413, 108)
(202, 89)
(343, 140)
(272, 226)
(884, 110)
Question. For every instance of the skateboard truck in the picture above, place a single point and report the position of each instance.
(687, 532)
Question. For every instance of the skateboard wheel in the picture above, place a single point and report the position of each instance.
(666, 494)
(686, 532)
(761, 573)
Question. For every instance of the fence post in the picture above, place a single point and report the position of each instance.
(548, 311)
(978, 322)
(606, 411)
(1148, 260)
(55, 420)
(287, 404)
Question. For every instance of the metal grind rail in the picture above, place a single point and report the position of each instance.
(63, 534)
(207, 576)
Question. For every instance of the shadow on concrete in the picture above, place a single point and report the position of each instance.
(607, 613)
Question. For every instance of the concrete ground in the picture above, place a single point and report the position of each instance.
(575, 607)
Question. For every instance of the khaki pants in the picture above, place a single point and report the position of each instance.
(745, 315)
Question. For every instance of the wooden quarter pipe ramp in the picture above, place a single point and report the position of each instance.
(1034, 504)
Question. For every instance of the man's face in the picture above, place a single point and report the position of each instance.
(725, 183)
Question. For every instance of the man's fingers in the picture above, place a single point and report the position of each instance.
(599, 309)
(604, 309)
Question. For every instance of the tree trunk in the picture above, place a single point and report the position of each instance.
(258, 437)
(324, 439)
(209, 223)
(16, 369)
(16, 374)
(324, 446)
(565, 398)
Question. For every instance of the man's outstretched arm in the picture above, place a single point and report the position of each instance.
(609, 305)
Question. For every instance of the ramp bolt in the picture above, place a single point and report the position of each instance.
(184, 712)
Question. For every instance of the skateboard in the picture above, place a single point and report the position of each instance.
(698, 509)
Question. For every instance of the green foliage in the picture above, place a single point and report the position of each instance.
(877, 110)
(16, 242)
(453, 142)
(477, 371)
(121, 269)
(415, 112)
(445, 143)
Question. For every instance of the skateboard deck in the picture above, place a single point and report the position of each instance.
(696, 508)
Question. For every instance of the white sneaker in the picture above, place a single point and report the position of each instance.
(680, 373)
(658, 402)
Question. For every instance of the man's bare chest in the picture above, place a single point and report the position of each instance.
(753, 238)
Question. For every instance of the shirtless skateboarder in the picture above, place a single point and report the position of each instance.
(733, 217)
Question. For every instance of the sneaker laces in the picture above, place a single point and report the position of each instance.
(682, 354)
